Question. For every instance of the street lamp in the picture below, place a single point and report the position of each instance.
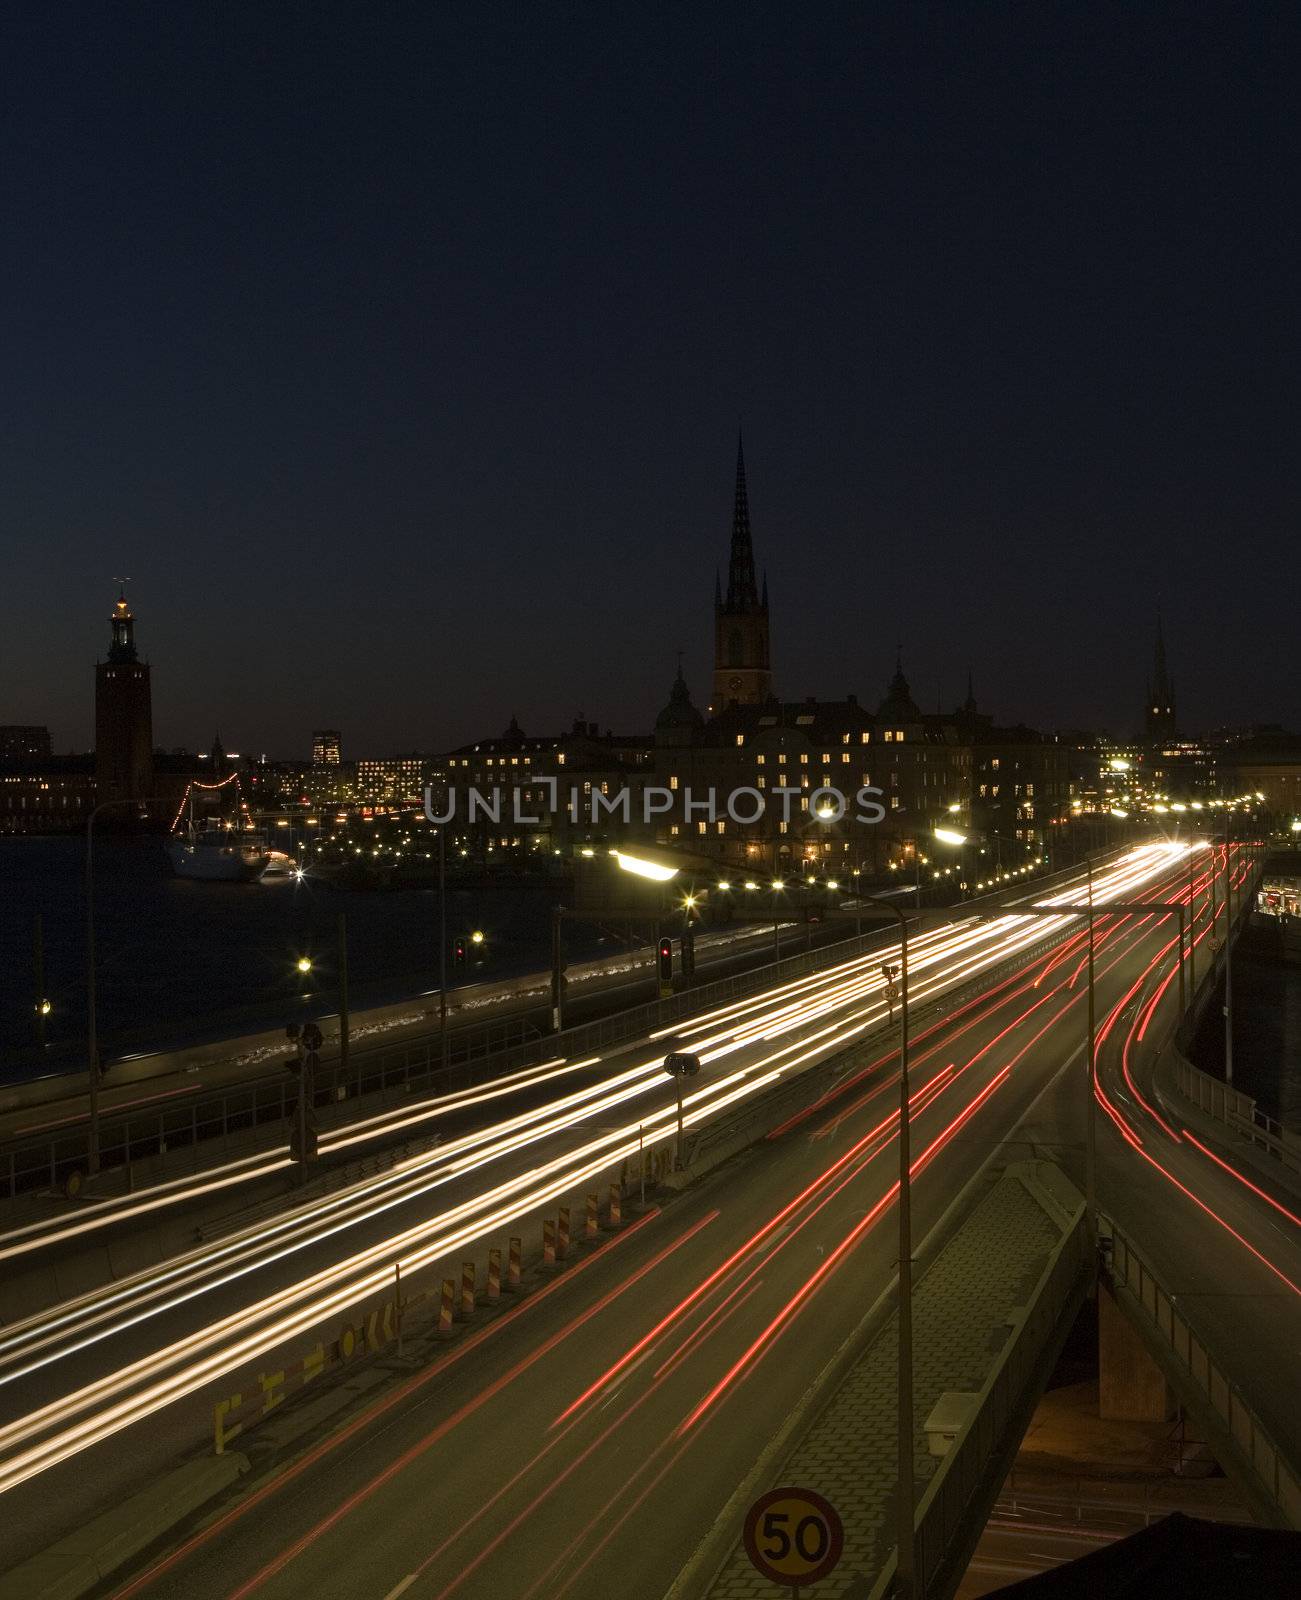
(643, 867)
(905, 1533)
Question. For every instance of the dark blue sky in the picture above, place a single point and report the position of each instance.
(396, 352)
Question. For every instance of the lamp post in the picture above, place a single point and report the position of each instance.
(1228, 951)
(905, 1533)
(341, 1071)
(1090, 1107)
(442, 946)
(41, 1007)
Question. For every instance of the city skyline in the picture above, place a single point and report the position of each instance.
(1143, 722)
(373, 393)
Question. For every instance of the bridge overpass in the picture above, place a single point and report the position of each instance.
(634, 1388)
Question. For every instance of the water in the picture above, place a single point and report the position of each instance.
(1266, 1026)
(181, 961)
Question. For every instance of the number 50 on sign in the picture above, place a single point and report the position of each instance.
(793, 1536)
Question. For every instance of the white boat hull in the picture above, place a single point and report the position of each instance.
(225, 863)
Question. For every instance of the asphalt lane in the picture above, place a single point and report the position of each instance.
(43, 1507)
(483, 1485)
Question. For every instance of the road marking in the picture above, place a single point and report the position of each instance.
(402, 1587)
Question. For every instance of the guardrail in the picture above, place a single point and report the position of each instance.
(1227, 1415)
(244, 1117)
(1238, 1112)
(256, 1113)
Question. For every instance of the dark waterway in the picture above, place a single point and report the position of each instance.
(181, 961)
(1266, 1024)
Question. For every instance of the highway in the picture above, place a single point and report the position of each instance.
(730, 1270)
(588, 1442)
(57, 1104)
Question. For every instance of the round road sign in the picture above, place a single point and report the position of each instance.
(793, 1536)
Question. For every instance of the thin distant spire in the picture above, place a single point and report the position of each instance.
(742, 592)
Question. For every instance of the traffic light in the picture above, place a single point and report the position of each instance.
(666, 960)
(458, 952)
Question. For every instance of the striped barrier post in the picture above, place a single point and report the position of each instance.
(494, 1275)
(513, 1254)
(548, 1243)
(616, 1206)
(445, 1307)
(589, 1227)
(467, 1290)
(562, 1234)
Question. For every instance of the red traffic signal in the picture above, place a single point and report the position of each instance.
(666, 960)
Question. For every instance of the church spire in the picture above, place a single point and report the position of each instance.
(742, 593)
(1159, 712)
(742, 674)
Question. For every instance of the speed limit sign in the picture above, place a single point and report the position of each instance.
(793, 1536)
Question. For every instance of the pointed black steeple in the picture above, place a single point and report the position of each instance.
(1159, 712)
(741, 670)
(742, 593)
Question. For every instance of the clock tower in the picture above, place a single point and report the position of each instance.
(742, 675)
(124, 726)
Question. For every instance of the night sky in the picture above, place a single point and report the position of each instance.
(397, 353)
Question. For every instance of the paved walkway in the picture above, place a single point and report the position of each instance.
(986, 1272)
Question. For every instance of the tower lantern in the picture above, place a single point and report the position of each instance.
(123, 647)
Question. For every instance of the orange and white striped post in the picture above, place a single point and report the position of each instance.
(445, 1307)
(467, 1290)
(562, 1234)
(589, 1227)
(616, 1206)
(494, 1275)
(513, 1254)
(548, 1243)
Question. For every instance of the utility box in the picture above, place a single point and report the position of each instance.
(951, 1413)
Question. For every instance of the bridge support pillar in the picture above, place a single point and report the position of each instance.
(1131, 1387)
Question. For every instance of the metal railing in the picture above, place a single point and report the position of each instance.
(1214, 1393)
(254, 1114)
(1237, 1111)
(241, 1118)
